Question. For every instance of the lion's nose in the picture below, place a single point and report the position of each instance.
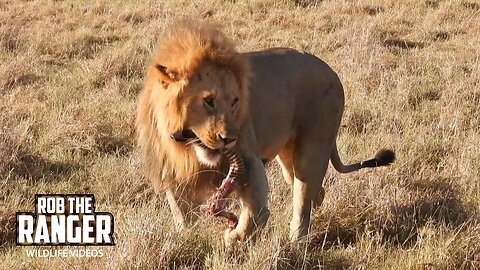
(228, 141)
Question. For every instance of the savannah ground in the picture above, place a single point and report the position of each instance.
(71, 70)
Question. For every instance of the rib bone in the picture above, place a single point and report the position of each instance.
(216, 204)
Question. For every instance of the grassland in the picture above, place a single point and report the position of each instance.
(70, 72)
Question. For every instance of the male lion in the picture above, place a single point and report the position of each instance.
(201, 97)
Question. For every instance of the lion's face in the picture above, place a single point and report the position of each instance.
(210, 101)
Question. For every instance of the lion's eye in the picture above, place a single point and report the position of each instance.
(209, 103)
(234, 102)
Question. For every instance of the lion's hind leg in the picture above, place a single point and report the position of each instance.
(310, 166)
(285, 159)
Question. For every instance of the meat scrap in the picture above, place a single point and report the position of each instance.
(216, 204)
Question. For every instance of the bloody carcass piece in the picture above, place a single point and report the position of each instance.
(216, 204)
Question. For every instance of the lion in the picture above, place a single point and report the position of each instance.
(202, 96)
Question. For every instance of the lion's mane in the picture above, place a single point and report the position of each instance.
(182, 49)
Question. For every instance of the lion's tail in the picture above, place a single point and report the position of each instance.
(384, 157)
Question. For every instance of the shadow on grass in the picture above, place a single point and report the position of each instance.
(114, 145)
(402, 44)
(336, 235)
(295, 258)
(442, 207)
(437, 203)
(189, 252)
(107, 141)
(35, 167)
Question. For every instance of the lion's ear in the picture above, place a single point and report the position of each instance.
(166, 75)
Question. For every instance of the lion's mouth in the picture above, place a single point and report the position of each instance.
(184, 135)
(207, 155)
(189, 137)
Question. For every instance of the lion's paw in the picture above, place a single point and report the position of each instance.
(231, 236)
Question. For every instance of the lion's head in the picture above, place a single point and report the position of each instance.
(193, 104)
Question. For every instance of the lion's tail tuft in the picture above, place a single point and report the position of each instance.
(384, 157)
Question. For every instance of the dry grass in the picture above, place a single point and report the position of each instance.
(71, 71)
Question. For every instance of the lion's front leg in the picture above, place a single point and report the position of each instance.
(177, 213)
(253, 198)
(184, 199)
